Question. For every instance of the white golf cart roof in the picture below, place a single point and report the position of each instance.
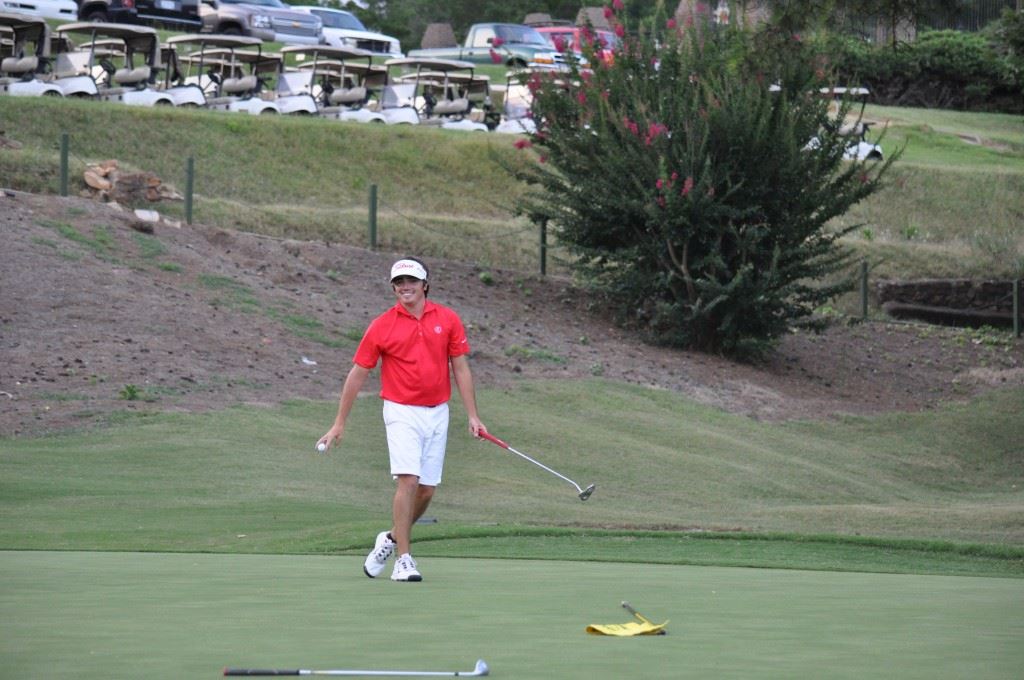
(430, 64)
(328, 52)
(214, 40)
(26, 28)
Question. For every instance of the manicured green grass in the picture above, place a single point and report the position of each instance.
(117, 615)
(249, 480)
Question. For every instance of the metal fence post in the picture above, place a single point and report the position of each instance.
(64, 150)
(543, 247)
(190, 175)
(864, 289)
(1016, 308)
(373, 217)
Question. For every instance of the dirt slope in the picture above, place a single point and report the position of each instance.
(93, 313)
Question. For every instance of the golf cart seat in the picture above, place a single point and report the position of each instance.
(451, 107)
(240, 85)
(346, 96)
(128, 77)
(19, 66)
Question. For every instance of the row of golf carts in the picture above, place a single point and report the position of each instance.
(128, 64)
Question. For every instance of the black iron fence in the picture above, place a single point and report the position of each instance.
(973, 15)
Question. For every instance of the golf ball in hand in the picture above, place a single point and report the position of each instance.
(321, 447)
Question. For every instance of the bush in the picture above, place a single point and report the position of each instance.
(691, 192)
(941, 69)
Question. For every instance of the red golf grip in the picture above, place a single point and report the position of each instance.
(491, 438)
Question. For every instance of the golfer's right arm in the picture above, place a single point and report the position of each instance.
(349, 391)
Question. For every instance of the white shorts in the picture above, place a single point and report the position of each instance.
(417, 438)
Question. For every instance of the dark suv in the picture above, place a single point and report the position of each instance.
(177, 14)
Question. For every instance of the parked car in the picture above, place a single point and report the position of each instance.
(515, 45)
(343, 29)
(118, 11)
(270, 20)
(572, 38)
(48, 9)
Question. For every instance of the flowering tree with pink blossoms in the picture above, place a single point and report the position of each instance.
(692, 179)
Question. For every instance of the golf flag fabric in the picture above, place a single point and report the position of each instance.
(630, 629)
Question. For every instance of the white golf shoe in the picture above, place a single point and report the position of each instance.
(405, 569)
(375, 562)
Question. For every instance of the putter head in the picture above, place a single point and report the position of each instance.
(481, 668)
(585, 494)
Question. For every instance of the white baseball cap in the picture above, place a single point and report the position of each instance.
(408, 268)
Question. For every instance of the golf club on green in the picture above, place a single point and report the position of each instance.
(584, 494)
(480, 670)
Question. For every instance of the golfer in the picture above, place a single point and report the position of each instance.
(415, 341)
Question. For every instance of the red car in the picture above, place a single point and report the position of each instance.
(569, 37)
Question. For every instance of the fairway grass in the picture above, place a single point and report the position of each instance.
(129, 615)
(677, 482)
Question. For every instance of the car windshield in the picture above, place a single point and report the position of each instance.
(338, 19)
(261, 3)
(520, 35)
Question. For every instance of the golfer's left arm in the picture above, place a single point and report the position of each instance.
(464, 382)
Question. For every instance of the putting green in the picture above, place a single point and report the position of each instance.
(153, 615)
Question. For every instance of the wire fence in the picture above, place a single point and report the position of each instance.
(516, 235)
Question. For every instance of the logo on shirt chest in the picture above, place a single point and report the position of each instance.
(438, 330)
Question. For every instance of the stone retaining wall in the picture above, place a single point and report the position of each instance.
(956, 302)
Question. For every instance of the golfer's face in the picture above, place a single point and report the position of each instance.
(408, 290)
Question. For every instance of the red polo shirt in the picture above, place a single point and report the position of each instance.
(414, 353)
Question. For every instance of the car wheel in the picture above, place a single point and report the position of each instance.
(97, 15)
(231, 30)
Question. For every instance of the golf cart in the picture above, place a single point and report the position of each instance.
(293, 91)
(341, 80)
(229, 77)
(442, 92)
(859, 147)
(24, 71)
(515, 108)
(131, 83)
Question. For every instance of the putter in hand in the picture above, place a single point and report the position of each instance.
(584, 494)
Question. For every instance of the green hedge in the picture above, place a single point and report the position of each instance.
(941, 69)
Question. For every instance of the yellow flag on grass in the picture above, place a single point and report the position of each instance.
(627, 629)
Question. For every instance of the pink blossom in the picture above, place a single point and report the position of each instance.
(620, 30)
(631, 126)
(608, 12)
(654, 130)
(673, 178)
(523, 144)
(660, 184)
(670, 24)
(560, 43)
(617, 4)
(542, 159)
(687, 186)
(661, 201)
(581, 97)
(495, 57)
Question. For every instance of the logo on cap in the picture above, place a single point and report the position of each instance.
(408, 268)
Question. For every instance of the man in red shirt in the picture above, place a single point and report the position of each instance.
(415, 341)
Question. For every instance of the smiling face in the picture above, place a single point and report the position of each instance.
(409, 291)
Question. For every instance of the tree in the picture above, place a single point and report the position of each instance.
(692, 181)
